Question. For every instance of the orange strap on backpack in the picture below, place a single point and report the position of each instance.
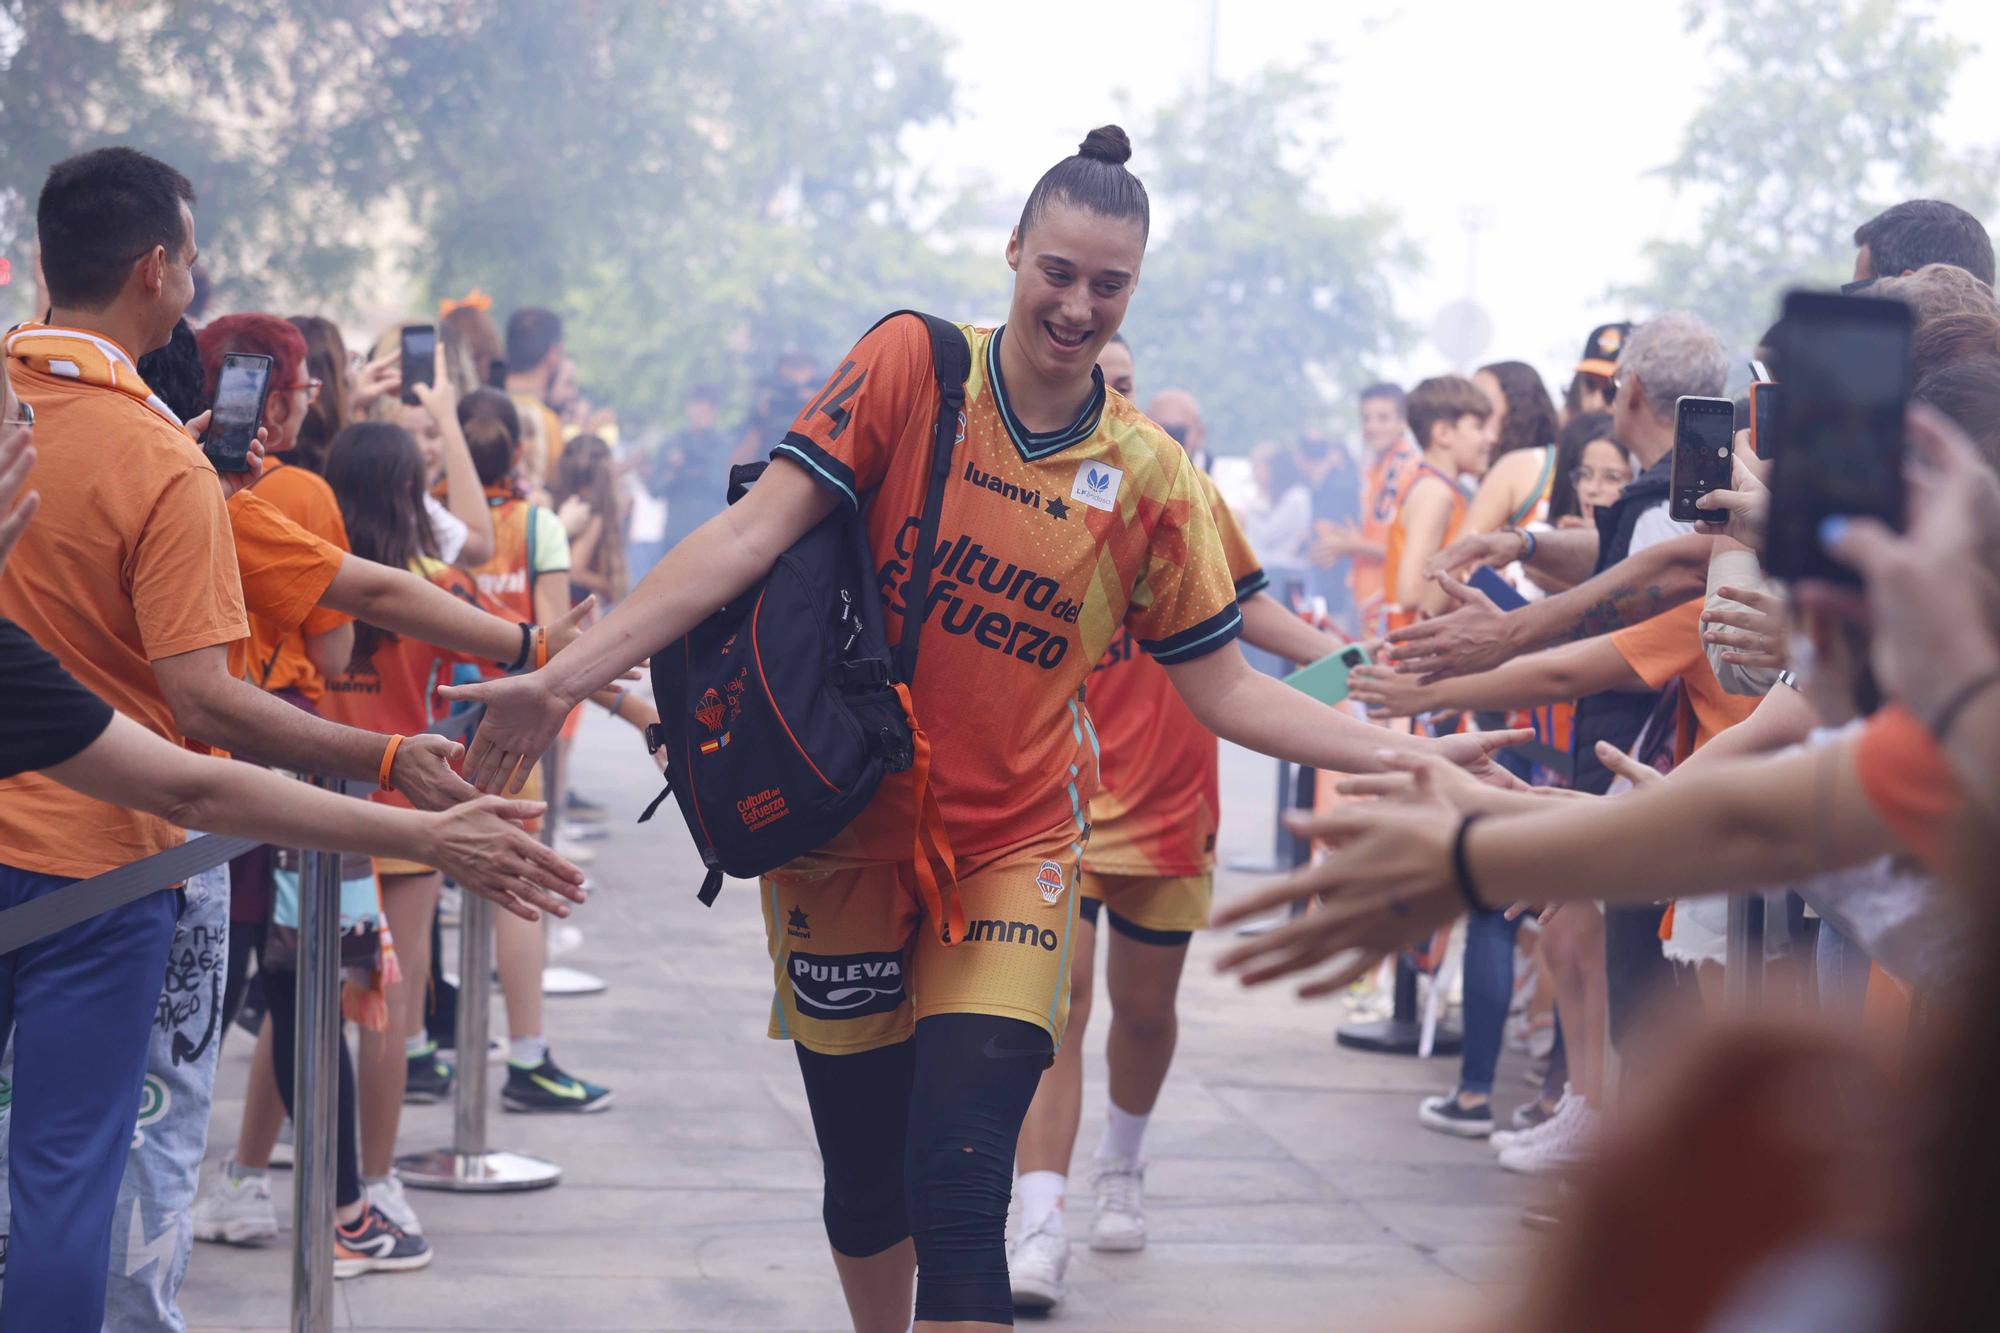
(933, 842)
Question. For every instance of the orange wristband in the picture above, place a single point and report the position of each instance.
(541, 647)
(389, 760)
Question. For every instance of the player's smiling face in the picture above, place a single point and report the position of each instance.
(1074, 272)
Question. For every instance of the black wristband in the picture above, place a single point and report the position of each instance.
(1961, 700)
(1461, 874)
(527, 646)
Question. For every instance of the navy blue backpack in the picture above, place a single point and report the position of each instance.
(782, 712)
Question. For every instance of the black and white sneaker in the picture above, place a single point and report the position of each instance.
(374, 1244)
(1447, 1115)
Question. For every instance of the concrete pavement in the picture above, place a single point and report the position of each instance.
(1291, 1187)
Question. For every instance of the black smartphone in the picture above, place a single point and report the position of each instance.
(240, 391)
(1764, 395)
(1847, 387)
(1704, 433)
(420, 343)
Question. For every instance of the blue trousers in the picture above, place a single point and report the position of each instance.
(81, 1004)
(1489, 989)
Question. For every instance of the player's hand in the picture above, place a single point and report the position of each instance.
(522, 718)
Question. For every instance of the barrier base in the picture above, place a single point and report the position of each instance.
(572, 981)
(1395, 1036)
(492, 1172)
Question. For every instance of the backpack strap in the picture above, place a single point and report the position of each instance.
(951, 363)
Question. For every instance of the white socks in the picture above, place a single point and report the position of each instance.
(1041, 1199)
(1123, 1132)
(528, 1052)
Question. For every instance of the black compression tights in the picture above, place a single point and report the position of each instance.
(918, 1140)
(281, 1000)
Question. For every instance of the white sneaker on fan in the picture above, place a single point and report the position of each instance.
(1120, 1223)
(1036, 1263)
(1564, 1141)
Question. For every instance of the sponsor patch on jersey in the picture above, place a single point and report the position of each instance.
(1097, 485)
(1049, 879)
(846, 985)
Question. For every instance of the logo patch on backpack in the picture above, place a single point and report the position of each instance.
(1097, 486)
(709, 711)
(1049, 879)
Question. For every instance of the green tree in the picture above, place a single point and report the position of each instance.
(1257, 292)
(694, 186)
(1820, 113)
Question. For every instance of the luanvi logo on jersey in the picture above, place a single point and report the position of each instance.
(1024, 496)
(846, 985)
(1097, 486)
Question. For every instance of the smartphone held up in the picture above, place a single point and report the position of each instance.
(419, 357)
(1704, 456)
(240, 390)
(1847, 381)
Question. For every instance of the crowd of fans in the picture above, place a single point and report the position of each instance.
(1668, 725)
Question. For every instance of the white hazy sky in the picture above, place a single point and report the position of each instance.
(1501, 90)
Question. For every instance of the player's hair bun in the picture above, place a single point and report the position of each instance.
(1106, 143)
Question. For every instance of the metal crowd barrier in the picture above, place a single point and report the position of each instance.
(468, 1165)
(316, 1086)
(557, 979)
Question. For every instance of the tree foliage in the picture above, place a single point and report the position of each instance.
(1820, 114)
(1256, 292)
(690, 185)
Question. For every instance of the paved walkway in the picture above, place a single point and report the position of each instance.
(1291, 1186)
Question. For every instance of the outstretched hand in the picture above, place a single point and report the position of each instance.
(1386, 885)
(522, 718)
(1469, 638)
(482, 846)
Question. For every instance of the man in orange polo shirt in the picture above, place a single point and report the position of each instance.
(130, 579)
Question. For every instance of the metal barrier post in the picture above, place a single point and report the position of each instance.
(315, 1088)
(468, 1165)
(560, 980)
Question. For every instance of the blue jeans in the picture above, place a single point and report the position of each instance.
(81, 1003)
(1842, 969)
(1489, 989)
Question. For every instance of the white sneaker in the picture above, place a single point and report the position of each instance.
(1036, 1263)
(235, 1212)
(1513, 1138)
(1120, 1224)
(1567, 1142)
(390, 1201)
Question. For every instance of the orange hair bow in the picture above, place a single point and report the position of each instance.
(472, 300)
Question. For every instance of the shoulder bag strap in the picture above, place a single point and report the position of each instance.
(1543, 485)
